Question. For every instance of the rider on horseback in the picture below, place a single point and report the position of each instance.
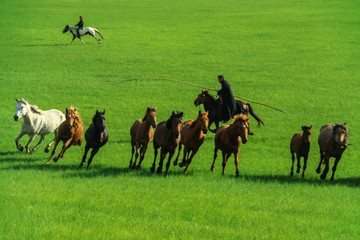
(227, 98)
(80, 26)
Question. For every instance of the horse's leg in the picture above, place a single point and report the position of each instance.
(66, 145)
(322, 155)
(225, 158)
(142, 155)
(152, 169)
(132, 153)
(93, 152)
(53, 151)
(84, 156)
(73, 39)
(236, 156)
(162, 157)
(27, 146)
(215, 156)
(81, 40)
(298, 163)
(292, 165)
(171, 154)
(189, 160)
(326, 170)
(56, 132)
(334, 168)
(251, 111)
(137, 149)
(18, 146)
(185, 157)
(96, 38)
(304, 167)
(40, 141)
(177, 157)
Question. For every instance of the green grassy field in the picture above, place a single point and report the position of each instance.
(300, 56)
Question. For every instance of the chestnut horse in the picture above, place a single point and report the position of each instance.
(167, 137)
(192, 137)
(142, 133)
(70, 132)
(300, 144)
(96, 136)
(215, 113)
(333, 140)
(227, 139)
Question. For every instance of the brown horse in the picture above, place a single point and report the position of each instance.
(192, 137)
(333, 140)
(214, 106)
(300, 144)
(167, 137)
(70, 132)
(142, 133)
(227, 139)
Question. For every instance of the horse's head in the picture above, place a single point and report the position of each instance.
(71, 115)
(151, 116)
(306, 133)
(341, 135)
(21, 109)
(66, 28)
(99, 121)
(174, 123)
(241, 123)
(203, 121)
(201, 99)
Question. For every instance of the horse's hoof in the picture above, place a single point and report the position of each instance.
(175, 162)
(47, 150)
(138, 167)
(318, 170)
(55, 159)
(323, 176)
(159, 170)
(48, 162)
(212, 168)
(152, 169)
(20, 148)
(298, 170)
(292, 174)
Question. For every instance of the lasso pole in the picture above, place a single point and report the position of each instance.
(191, 84)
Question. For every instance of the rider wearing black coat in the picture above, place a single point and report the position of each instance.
(79, 25)
(229, 104)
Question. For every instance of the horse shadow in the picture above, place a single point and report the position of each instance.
(44, 45)
(353, 182)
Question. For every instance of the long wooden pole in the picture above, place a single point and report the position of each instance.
(191, 84)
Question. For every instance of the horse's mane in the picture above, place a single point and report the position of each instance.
(239, 117)
(34, 108)
(211, 98)
(76, 116)
(173, 115)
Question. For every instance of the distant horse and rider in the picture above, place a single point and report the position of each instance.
(78, 31)
(70, 133)
(36, 122)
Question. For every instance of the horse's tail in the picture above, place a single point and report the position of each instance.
(99, 33)
(251, 111)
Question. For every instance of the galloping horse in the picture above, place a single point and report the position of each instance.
(96, 136)
(167, 137)
(215, 113)
(300, 144)
(333, 140)
(142, 133)
(192, 137)
(36, 122)
(82, 32)
(227, 139)
(70, 132)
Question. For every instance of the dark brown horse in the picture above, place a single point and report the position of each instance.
(192, 137)
(96, 136)
(333, 140)
(70, 132)
(167, 137)
(300, 144)
(215, 113)
(142, 133)
(228, 139)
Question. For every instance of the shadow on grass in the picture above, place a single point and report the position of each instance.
(44, 45)
(349, 182)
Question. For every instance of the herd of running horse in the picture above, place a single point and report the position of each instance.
(172, 134)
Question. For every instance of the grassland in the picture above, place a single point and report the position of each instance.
(301, 56)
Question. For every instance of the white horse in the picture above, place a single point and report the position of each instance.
(36, 122)
(82, 32)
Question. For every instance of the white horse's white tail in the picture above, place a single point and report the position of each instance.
(98, 33)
